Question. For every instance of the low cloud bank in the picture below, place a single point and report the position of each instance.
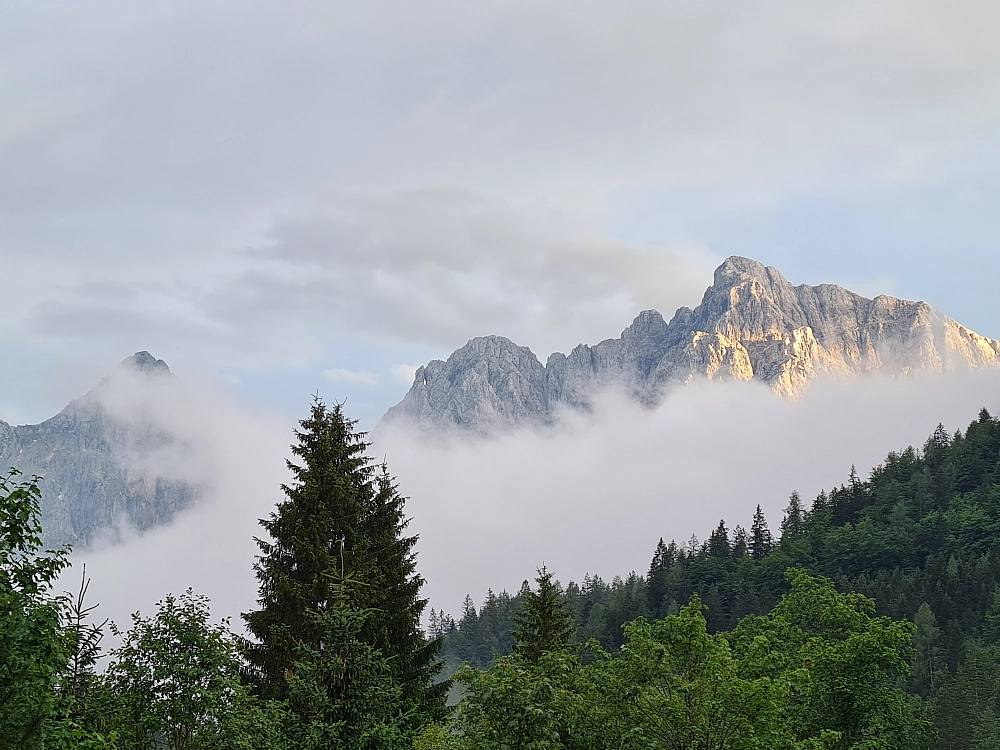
(592, 496)
(595, 495)
(236, 456)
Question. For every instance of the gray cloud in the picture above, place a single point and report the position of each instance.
(592, 496)
(595, 495)
(440, 169)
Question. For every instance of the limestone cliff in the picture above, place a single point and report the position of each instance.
(90, 459)
(751, 324)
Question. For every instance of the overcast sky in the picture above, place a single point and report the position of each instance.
(319, 195)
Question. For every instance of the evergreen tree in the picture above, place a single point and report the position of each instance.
(341, 519)
(718, 542)
(544, 624)
(656, 581)
(394, 627)
(760, 536)
(345, 696)
(794, 523)
(928, 655)
(740, 543)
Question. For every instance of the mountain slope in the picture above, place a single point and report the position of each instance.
(95, 462)
(751, 324)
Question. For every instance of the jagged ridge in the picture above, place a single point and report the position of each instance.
(751, 324)
(86, 458)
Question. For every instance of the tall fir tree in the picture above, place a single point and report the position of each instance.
(342, 519)
(656, 580)
(718, 542)
(761, 541)
(740, 543)
(544, 624)
(794, 524)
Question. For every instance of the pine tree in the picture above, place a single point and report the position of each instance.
(760, 536)
(794, 523)
(344, 696)
(544, 624)
(394, 629)
(341, 520)
(656, 580)
(927, 660)
(718, 542)
(740, 543)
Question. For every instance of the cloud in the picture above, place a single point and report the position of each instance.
(595, 495)
(435, 172)
(340, 375)
(446, 265)
(592, 496)
(235, 454)
(404, 373)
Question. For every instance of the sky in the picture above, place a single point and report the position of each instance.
(319, 196)
(316, 197)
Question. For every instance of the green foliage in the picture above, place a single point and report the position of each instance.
(676, 686)
(174, 682)
(544, 624)
(343, 696)
(920, 536)
(518, 704)
(966, 703)
(856, 664)
(819, 671)
(342, 519)
(35, 648)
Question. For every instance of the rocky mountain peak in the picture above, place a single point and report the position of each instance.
(752, 324)
(92, 458)
(736, 270)
(146, 363)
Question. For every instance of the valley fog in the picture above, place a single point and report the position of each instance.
(592, 495)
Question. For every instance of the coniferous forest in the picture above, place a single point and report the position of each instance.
(867, 619)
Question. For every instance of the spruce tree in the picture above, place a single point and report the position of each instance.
(760, 536)
(342, 519)
(345, 696)
(740, 543)
(544, 624)
(718, 542)
(794, 523)
(656, 580)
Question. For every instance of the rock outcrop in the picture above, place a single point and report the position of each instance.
(751, 324)
(94, 463)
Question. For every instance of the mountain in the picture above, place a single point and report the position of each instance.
(96, 459)
(751, 324)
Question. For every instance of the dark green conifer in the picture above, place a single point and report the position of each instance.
(760, 536)
(544, 624)
(718, 542)
(740, 543)
(794, 523)
(341, 520)
(656, 580)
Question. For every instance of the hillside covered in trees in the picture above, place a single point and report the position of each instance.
(870, 621)
(920, 536)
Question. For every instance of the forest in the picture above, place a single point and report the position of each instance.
(870, 619)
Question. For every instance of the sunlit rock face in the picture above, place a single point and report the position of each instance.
(751, 325)
(97, 462)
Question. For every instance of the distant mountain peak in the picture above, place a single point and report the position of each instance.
(752, 324)
(145, 362)
(736, 269)
(91, 457)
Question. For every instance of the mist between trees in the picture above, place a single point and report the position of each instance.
(870, 619)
